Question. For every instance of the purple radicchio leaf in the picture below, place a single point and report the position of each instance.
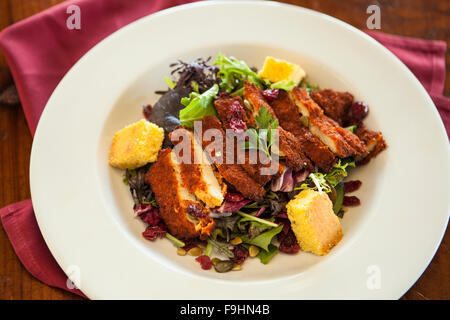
(300, 176)
(230, 206)
(283, 183)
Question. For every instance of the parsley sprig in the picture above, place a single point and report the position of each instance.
(263, 136)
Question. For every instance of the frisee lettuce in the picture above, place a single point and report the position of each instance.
(339, 172)
(324, 181)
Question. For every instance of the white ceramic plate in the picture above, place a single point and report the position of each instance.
(85, 212)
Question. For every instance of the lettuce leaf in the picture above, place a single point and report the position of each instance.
(264, 239)
(266, 256)
(198, 106)
(233, 73)
(284, 85)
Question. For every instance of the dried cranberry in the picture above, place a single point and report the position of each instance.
(288, 242)
(235, 111)
(285, 222)
(237, 125)
(271, 94)
(358, 112)
(151, 217)
(189, 244)
(282, 215)
(240, 254)
(195, 211)
(153, 232)
(223, 94)
(352, 186)
(350, 201)
(146, 109)
(234, 197)
(205, 262)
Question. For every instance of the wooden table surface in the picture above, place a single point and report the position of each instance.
(416, 18)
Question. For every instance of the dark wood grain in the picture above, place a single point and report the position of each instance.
(416, 18)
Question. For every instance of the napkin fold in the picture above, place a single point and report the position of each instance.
(41, 49)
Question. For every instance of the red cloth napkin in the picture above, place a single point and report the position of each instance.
(39, 52)
(426, 59)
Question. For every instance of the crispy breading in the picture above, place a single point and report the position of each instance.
(335, 104)
(174, 199)
(289, 120)
(328, 134)
(288, 145)
(374, 142)
(306, 106)
(232, 172)
(293, 152)
(341, 142)
(198, 175)
(254, 169)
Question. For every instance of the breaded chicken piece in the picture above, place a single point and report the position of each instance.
(232, 172)
(254, 169)
(184, 216)
(288, 145)
(327, 133)
(198, 175)
(335, 104)
(374, 142)
(289, 120)
(341, 141)
(230, 114)
(226, 112)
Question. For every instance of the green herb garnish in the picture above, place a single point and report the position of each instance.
(263, 136)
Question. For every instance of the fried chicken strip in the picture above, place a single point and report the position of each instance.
(374, 142)
(341, 141)
(198, 175)
(232, 114)
(335, 104)
(289, 120)
(288, 144)
(232, 172)
(184, 216)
